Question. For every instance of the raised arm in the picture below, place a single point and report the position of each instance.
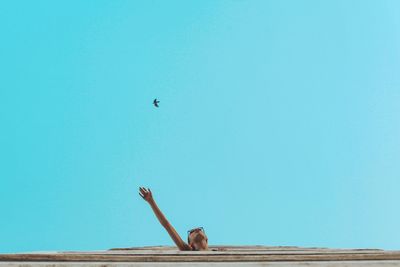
(147, 195)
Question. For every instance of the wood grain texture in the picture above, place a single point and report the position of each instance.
(223, 254)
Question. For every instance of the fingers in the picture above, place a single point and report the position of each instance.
(144, 191)
(141, 195)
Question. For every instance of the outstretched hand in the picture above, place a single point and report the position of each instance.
(145, 194)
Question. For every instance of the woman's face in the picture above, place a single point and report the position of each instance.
(198, 240)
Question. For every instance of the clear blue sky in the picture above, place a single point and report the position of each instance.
(278, 122)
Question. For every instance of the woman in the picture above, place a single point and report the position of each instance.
(197, 239)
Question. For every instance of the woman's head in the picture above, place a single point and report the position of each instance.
(197, 239)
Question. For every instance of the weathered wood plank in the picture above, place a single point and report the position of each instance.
(199, 264)
(230, 254)
(199, 258)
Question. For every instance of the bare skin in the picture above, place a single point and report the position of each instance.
(148, 196)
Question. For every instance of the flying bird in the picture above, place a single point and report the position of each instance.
(155, 102)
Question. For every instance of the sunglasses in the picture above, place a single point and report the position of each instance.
(195, 229)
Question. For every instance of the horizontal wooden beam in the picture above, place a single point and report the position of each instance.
(217, 255)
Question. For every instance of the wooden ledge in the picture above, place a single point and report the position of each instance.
(217, 254)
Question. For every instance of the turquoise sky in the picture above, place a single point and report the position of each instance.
(278, 122)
